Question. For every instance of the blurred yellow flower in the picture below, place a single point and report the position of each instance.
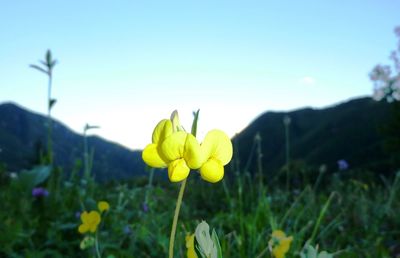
(103, 206)
(90, 221)
(191, 253)
(279, 244)
(217, 151)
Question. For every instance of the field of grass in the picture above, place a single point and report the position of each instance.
(345, 215)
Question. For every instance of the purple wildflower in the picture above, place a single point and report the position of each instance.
(39, 192)
(145, 207)
(342, 164)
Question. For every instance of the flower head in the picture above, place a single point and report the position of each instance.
(39, 192)
(173, 148)
(342, 164)
(90, 221)
(191, 253)
(145, 207)
(180, 151)
(103, 206)
(279, 244)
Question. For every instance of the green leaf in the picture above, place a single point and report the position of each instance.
(39, 69)
(48, 58)
(53, 63)
(32, 178)
(52, 102)
(215, 239)
(195, 120)
(310, 252)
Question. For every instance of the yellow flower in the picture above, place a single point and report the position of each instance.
(178, 150)
(90, 221)
(279, 244)
(173, 148)
(217, 151)
(191, 253)
(103, 206)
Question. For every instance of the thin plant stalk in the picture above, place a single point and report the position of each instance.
(321, 216)
(175, 220)
(48, 64)
(286, 122)
(259, 162)
(96, 245)
(180, 196)
(87, 163)
(49, 120)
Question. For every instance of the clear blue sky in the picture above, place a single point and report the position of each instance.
(125, 65)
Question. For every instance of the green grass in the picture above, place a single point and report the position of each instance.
(352, 217)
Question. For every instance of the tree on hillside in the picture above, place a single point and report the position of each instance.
(387, 88)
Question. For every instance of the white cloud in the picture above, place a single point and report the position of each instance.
(307, 80)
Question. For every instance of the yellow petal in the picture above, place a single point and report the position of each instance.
(178, 170)
(217, 145)
(278, 234)
(85, 217)
(172, 148)
(212, 171)
(163, 130)
(152, 158)
(192, 152)
(191, 253)
(103, 206)
(83, 228)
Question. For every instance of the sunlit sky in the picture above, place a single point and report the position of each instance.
(125, 65)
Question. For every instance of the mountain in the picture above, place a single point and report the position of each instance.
(23, 135)
(348, 131)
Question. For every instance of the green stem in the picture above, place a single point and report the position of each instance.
(263, 252)
(49, 122)
(175, 221)
(287, 155)
(96, 244)
(321, 216)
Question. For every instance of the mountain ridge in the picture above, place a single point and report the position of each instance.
(23, 135)
(347, 130)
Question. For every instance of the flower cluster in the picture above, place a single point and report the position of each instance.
(179, 151)
(91, 220)
(279, 244)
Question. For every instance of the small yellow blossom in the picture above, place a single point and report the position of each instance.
(191, 253)
(279, 244)
(103, 206)
(217, 150)
(90, 221)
